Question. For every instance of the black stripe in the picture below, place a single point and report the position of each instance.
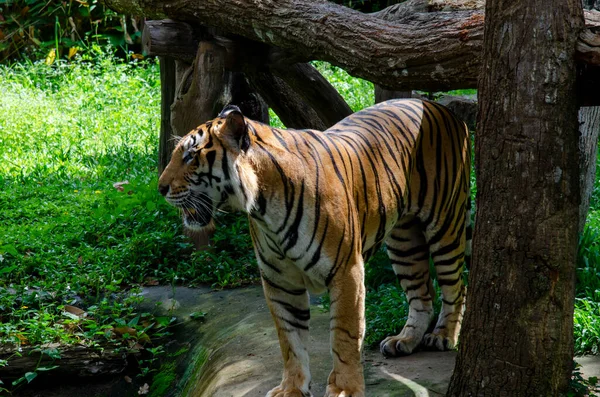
(293, 323)
(291, 236)
(296, 292)
(299, 314)
(317, 255)
(264, 261)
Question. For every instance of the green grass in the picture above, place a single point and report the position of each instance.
(68, 133)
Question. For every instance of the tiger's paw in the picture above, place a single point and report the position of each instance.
(396, 346)
(439, 341)
(288, 392)
(346, 384)
(334, 391)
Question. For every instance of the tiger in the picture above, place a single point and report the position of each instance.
(320, 204)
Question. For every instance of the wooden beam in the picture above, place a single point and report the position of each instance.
(173, 39)
(291, 108)
(315, 91)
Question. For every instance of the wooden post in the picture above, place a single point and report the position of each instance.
(167, 95)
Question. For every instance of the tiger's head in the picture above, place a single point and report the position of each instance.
(210, 170)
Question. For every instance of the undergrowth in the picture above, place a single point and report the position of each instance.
(82, 225)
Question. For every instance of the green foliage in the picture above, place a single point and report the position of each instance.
(55, 28)
(587, 305)
(386, 311)
(588, 262)
(587, 325)
(230, 262)
(358, 93)
(71, 240)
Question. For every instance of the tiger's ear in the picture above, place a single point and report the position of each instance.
(235, 130)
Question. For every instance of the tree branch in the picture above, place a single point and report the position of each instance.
(430, 51)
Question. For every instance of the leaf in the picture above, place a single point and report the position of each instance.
(150, 206)
(125, 330)
(75, 310)
(127, 379)
(163, 320)
(47, 368)
(144, 338)
(8, 269)
(137, 56)
(72, 52)
(10, 249)
(53, 353)
(20, 380)
(134, 321)
(30, 376)
(23, 339)
(198, 316)
(70, 315)
(144, 389)
(51, 57)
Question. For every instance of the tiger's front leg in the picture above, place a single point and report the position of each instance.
(347, 327)
(289, 307)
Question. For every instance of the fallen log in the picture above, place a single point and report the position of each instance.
(77, 360)
(432, 51)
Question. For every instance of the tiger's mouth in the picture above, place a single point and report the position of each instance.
(195, 219)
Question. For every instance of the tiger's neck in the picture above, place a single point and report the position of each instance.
(273, 176)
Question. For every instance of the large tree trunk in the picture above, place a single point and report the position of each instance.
(517, 335)
(432, 51)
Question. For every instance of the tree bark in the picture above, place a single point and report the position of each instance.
(517, 337)
(316, 92)
(180, 41)
(435, 51)
(291, 108)
(170, 38)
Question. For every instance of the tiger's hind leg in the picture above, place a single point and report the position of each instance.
(409, 255)
(448, 255)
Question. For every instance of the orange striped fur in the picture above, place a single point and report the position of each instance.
(320, 203)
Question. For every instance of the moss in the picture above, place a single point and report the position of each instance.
(163, 380)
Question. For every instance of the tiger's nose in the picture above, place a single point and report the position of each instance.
(163, 189)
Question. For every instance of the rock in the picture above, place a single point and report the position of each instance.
(236, 352)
